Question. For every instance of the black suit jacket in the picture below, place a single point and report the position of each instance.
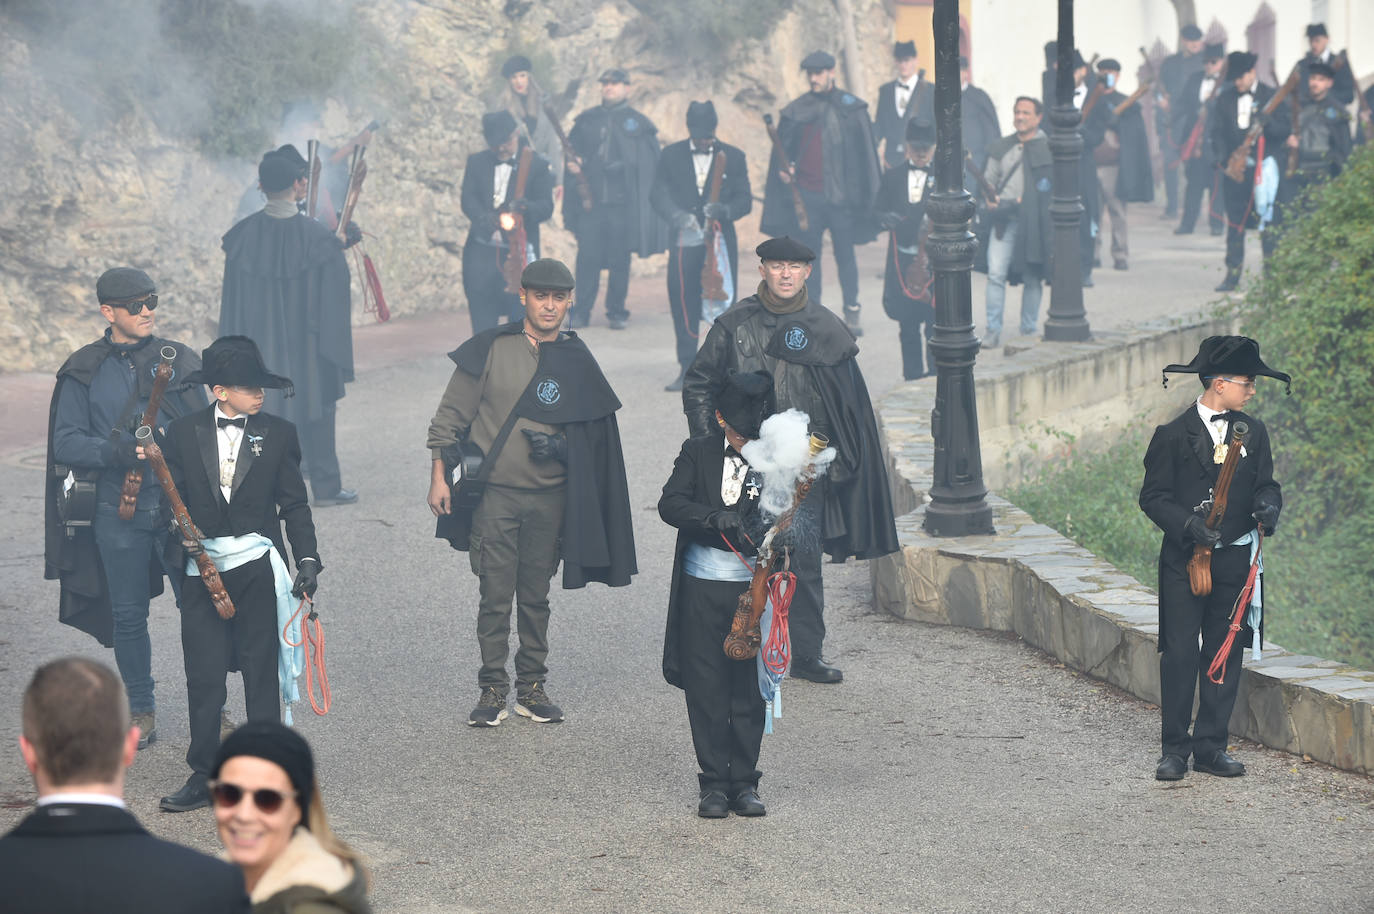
(79, 858)
(267, 487)
(1226, 136)
(675, 189)
(889, 127)
(479, 174)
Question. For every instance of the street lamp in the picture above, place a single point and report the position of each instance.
(1067, 321)
(958, 505)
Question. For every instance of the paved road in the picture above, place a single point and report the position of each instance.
(951, 771)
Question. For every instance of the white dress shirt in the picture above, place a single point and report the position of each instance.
(499, 182)
(1245, 107)
(701, 164)
(1080, 95)
(91, 799)
(902, 95)
(915, 184)
(1204, 90)
(1216, 429)
(732, 477)
(230, 439)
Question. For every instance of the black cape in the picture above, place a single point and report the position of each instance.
(286, 287)
(75, 560)
(568, 390)
(630, 137)
(1135, 182)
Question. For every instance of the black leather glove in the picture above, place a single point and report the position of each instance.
(519, 205)
(544, 446)
(352, 234)
(485, 226)
(307, 578)
(717, 211)
(125, 450)
(685, 220)
(889, 220)
(1267, 516)
(726, 522)
(1197, 530)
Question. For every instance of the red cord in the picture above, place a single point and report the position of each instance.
(777, 650)
(312, 636)
(1217, 670)
(902, 279)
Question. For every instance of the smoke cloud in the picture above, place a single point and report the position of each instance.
(782, 453)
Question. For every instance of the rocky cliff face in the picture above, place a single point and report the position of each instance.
(81, 198)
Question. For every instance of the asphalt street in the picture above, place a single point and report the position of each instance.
(952, 770)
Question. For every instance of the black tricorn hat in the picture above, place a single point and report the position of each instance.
(904, 50)
(517, 64)
(1238, 63)
(1316, 30)
(497, 126)
(1214, 51)
(1319, 68)
(1228, 355)
(234, 361)
(701, 119)
(745, 399)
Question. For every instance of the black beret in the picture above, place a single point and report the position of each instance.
(497, 126)
(1214, 51)
(277, 171)
(903, 50)
(615, 75)
(123, 284)
(818, 60)
(1318, 68)
(1190, 32)
(1109, 63)
(786, 249)
(548, 274)
(1238, 63)
(1317, 30)
(279, 744)
(701, 119)
(517, 64)
(920, 133)
(745, 399)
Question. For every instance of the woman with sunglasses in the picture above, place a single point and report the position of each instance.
(271, 821)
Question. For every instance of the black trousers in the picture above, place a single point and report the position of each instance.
(318, 454)
(724, 706)
(806, 616)
(1240, 215)
(603, 243)
(684, 299)
(484, 285)
(1183, 666)
(822, 216)
(212, 646)
(1200, 176)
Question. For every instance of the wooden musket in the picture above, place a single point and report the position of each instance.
(133, 479)
(1200, 565)
(712, 283)
(357, 171)
(1131, 99)
(312, 196)
(584, 189)
(1235, 164)
(513, 223)
(803, 224)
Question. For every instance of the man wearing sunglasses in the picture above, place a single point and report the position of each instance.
(109, 567)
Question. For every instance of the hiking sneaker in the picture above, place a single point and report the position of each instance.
(146, 723)
(490, 710)
(534, 703)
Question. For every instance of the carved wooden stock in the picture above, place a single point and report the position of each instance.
(1200, 565)
(797, 204)
(133, 479)
(712, 283)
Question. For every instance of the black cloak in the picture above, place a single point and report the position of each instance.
(568, 390)
(623, 135)
(75, 560)
(1135, 182)
(286, 287)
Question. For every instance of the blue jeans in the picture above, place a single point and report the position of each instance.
(126, 549)
(1000, 252)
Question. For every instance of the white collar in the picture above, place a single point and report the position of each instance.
(908, 86)
(221, 414)
(87, 799)
(1206, 412)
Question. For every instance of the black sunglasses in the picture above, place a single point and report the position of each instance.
(227, 796)
(136, 307)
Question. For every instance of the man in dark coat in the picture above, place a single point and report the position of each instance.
(555, 491)
(1121, 152)
(1342, 89)
(1322, 134)
(492, 200)
(1174, 73)
(811, 356)
(908, 296)
(286, 287)
(909, 97)
(617, 153)
(1240, 105)
(981, 125)
(82, 850)
(109, 567)
(1190, 112)
(1182, 466)
(828, 152)
(687, 172)
(1087, 97)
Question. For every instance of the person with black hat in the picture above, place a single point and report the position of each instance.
(617, 153)
(237, 469)
(712, 498)
(1239, 105)
(554, 492)
(1174, 73)
(110, 568)
(829, 154)
(1342, 89)
(1189, 114)
(1050, 75)
(1182, 465)
(901, 210)
(527, 102)
(909, 97)
(681, 195)
(490, 182)
(1121, 153)
(286, 287)
(1085, 83)
(1322, 134)
(811, 356)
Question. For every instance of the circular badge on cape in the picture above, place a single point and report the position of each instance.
(795, 338)
(548, 393)
(1043, 185)
(631, 125)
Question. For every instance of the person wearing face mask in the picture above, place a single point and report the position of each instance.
(908, 297)
(271, 820)
(1121, 152)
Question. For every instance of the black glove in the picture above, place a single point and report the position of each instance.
(889, 220)
(352, 234)
(720, 212)
(726, 522)
(307, 578)
(547, 447)
(685, 220)
(1196, 529)
(519, 205)
(1267, 516)
(485, 226)
(125, 450)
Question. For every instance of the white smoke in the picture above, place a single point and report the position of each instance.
(782, 453)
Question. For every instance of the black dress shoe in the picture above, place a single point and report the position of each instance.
(1171, 768)
(341, 497)
(195, 795)
(1219, 763)
(713, 805)
(1183, 231)
(815, 670)
(1228, 284)
(747, 803)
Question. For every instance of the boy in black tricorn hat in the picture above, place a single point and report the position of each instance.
(238, 471)
(1182, 466)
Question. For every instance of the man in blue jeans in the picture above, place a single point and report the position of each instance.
(111, 567)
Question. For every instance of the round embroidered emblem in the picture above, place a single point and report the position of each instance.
(548, 392)
(795, 339)
(631, 125)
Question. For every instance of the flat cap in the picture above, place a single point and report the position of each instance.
(1317, 68)
(818, 60)
(547, 273)
(701, 119)
(123, 284)
(517, 64)
(920, 133)
(904, 50)
(614, 75)
(1109, 63)
(277, 171)
(1317, 30)
(497, 126)
(1238, 63)
(1190, 32)
(785, 248)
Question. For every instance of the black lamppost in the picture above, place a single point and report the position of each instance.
(1067, 320)
(958, 497)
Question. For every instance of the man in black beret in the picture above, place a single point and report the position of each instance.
(1342, 89)
(1174, 71)
(909, 97)
(1321, 136)
(811, 355)
(1238, 107)
(527, 102)
(617, 154)
(286, 287)
(1121, 152)
(530, 419)
(504, 213)
(829, 156)
(1182, 468)
(1190, 112)
(700, 189)
(110, 567)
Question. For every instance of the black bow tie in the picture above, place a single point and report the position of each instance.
(510, 162)
(913, 167)
(702, 152)
(731, 452)
(1226, 416)
(240, 421)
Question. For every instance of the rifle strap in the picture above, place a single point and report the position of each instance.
(490, 460)
(1002, 185)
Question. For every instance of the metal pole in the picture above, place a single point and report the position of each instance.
(1067, 320)
(958, 504)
